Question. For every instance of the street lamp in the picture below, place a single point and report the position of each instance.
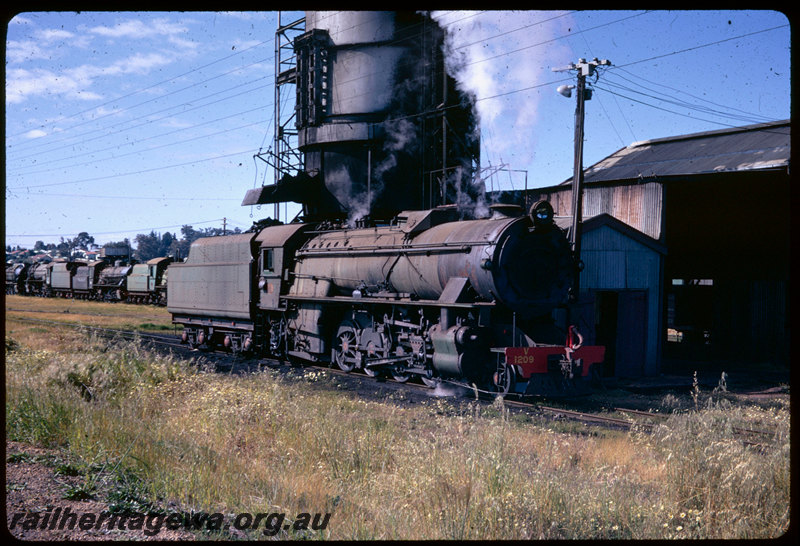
(583, 94)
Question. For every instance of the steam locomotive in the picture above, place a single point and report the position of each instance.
(425, 295)
(92, 280)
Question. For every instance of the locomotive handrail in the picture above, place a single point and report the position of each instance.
(392, 250)
(379, 299)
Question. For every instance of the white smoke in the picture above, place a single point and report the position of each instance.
(356, 203)
(495, 55)
(401, 134)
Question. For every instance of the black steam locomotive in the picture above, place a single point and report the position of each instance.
(424, 296)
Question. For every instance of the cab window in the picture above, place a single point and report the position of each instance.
(267, 259)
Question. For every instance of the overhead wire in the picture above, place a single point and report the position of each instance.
(116, 232)
(661, 108)
(180, 76)
(747, 116)
(508, 92)
(117, 112)
(602, 104)
(105, 134)
(540, 43)
(152, 86)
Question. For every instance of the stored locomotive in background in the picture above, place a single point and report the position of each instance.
(92, 280)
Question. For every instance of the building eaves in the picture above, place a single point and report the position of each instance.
(755, 147)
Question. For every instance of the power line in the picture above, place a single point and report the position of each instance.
(105, 134)
(478, 99)
(127, 197)
(238, 69)
(144, 171)
(137, 152)
(663, 109)
(138, 230)
(690, 106)
(142, 90)
(640, 79)
(701, 46)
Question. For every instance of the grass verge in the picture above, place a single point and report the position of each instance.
(173, 433)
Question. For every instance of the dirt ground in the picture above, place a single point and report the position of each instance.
(32, 486)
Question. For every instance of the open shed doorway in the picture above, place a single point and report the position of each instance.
(621, 326)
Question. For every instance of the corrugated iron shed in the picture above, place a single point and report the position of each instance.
(752, 147)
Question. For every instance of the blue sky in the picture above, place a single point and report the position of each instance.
(121, 123)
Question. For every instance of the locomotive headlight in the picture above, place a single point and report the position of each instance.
(542, 214)
(262, 282)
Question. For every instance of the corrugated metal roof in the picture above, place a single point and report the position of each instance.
(753, 147)
(605, 219)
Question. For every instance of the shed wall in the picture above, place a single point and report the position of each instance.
(638, 205)
(616, 262)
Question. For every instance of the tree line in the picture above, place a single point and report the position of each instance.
(154, 245)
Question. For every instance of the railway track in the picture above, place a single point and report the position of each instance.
(161, 339)
(69, 312)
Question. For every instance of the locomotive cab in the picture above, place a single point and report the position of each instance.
(276, 246)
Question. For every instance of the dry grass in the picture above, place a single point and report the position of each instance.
(90, 313)
(264, 443)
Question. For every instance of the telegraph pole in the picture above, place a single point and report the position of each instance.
(583, 69)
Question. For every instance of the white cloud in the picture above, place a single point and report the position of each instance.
(136, 28)
(22, 83)
(19, 51)
(74, 83)
(139, 64)
(51, 35)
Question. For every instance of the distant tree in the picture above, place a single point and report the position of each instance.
(63, 247)
(166, 244)
(125, 242)
(179, 248)
(147, 246)
(39, 245)
(189, 234)
(83, 240)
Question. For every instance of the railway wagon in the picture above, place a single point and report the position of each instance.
(426, 296)
(215, 293)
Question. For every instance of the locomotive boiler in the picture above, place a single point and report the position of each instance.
(425, 296)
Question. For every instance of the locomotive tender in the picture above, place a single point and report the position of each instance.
(426, 295)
